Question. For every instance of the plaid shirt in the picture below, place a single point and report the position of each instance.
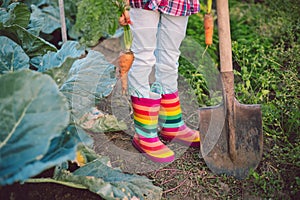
(171, 7)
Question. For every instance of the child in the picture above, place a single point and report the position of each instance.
(158, 28)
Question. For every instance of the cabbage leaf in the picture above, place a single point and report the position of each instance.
(33, 113)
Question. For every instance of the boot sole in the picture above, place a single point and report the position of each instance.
(154, 159)
(182, 142)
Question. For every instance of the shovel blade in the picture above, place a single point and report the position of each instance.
(214, 133)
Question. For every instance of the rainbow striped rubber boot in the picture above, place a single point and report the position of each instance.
(172, 126)
(145, 140)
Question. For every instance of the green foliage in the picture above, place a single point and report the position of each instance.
(199, 65)
(99, 177)
(47, 11)
(70, 49)
(195, 29)
(14, 27)
(195, 79)
(96, 19)
(268, 181)
(31, 44)
(38, 104)
(12, 56)
(45, 18)
(268, 74)
(48, 17)
(28, 98)
(57, 64)
(17, 14)
(266, 48)
(89, 79)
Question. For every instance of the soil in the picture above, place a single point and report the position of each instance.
(44, 191)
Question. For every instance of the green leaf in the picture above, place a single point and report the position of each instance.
(52, 19)
(31, 44)
(110, 183)
(60, 74)
(297, 181)
(5, 3)
(70, 49)
(99, 177)
(116, 184)
(65, 145)
(62, 149)
(18, 14)
(89, 78)
(12, 56)
(96, 19)
(4, 16)
(248, 84)
(37, 22)
(265, 92)
(33, 114)
(40, 2)
(57, 64)
(90, 155)
(49, 16)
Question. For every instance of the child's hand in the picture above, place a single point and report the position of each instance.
(125, 18)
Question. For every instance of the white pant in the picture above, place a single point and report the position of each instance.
(156, 41)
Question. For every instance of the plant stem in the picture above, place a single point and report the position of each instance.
(209, 6)
(127, 38)
(50, 180)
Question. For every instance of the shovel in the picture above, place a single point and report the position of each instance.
(62, 20)
(231, 133)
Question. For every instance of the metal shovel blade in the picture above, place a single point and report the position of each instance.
(215, 139)
(231, 133)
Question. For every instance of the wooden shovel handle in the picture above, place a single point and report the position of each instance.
(62, 20)
(224, 36)
(227, 73)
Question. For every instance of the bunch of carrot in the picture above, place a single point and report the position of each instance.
(126, 56)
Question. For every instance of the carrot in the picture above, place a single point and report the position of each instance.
(126, 57)
(209, 28)
(125, 61)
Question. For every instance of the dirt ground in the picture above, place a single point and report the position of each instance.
(44, 191)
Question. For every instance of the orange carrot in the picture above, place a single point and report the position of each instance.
(126, 57)
(209, 28)
(125, 61)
